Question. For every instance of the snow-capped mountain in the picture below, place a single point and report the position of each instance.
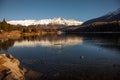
(56, 21)
(111, 16)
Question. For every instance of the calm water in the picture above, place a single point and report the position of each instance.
(67, 57)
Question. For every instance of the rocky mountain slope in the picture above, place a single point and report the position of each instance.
(112, 16)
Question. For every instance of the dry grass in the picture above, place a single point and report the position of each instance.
(10, 35)
(17, 34)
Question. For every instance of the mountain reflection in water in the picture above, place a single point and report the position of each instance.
(50, 42)
(68, 57)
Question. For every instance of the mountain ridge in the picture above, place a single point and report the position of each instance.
(54, 21)
(109, 17)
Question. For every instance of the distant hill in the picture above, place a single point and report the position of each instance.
(99, 27)
(112, 16)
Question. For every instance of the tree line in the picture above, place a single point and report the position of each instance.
(4, 26)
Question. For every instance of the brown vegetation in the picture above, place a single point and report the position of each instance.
(10, 35)
(8, 31)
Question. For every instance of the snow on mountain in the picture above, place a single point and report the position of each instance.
(114, 12)
(109, 17)
(56, 21)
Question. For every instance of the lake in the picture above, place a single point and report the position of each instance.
(67, 57)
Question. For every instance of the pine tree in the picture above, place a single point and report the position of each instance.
(5, 26)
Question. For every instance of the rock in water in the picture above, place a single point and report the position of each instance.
(9, 68)
(82, 57)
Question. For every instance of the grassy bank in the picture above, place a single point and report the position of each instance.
(15, 34)
(10, 35)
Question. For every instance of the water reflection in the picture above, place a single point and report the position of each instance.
(105, 42)
(53, 41)
(68, 57)
(5, 44)
(59, 41)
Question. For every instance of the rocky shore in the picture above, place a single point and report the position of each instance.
(10, 69)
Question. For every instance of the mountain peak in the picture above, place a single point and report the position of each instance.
(58, 18)
(56, 21)
(114, 12)
(111, 16)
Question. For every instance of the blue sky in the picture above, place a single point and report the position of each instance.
(69, 9)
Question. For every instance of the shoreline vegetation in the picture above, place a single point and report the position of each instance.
(8, 31)
(15, 34)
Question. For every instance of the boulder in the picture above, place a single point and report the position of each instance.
(9, 68)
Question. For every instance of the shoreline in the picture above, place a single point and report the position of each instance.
(18, 34)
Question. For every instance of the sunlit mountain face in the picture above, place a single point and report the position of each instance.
(58, 42)
(55, 21)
